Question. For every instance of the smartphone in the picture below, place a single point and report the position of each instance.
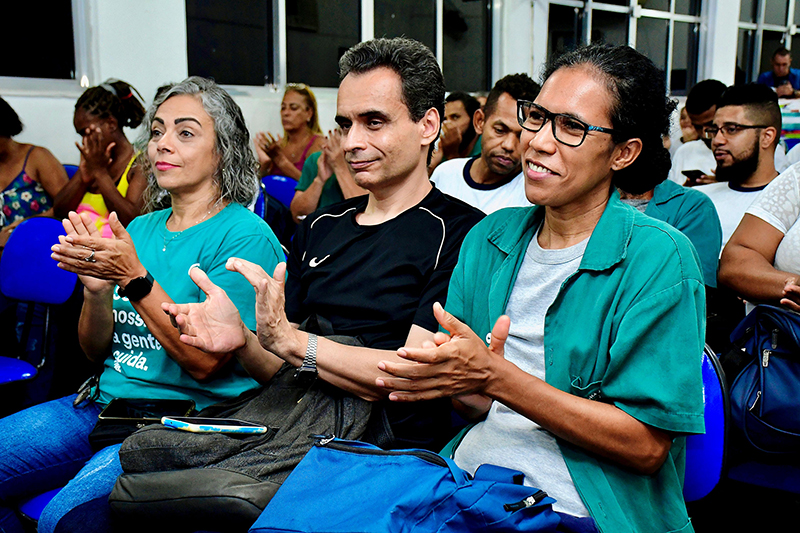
(693, 175)
(213, 425)
(144, 410)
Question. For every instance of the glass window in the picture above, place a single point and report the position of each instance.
(611, 28)
(775, 12)
(744, 56)
(467, 45)
(687, 7)
(233, 46)
(317, 34)
(684, 57)
(51, 25)
(565, 29)
(748, 11)
(771, 41)
(415, 19)
(661, 5)
(652, 38)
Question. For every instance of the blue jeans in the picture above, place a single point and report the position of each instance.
(45, 447)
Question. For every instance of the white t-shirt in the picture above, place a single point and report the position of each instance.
(452, 177)
(731, 203)
(694, 155)
(779, 206)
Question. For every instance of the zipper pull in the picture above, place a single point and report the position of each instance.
(322, 440)
(765, 357)
(775, 339)
(755, 402)
(527, 502)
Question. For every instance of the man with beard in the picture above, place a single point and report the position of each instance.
(494, 179)
(743, 136)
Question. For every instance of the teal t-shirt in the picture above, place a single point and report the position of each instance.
(331, 192)
(138, 366)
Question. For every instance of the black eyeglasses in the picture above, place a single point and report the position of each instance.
(567, 130)
(729, 129)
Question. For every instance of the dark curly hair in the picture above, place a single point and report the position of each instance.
(10, 125)
(113, 98)
(641, 108)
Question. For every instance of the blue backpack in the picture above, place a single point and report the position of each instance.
(344, 486)
(765, 368)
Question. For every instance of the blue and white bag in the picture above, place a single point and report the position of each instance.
(347, 486)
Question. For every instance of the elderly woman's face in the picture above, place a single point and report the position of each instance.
(295, 111)
(560, 176)
(182, 147)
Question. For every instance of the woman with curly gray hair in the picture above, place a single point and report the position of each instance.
(199, 164)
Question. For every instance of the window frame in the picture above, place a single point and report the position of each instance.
(753, 69)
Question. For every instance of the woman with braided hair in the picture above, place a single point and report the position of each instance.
(107, 179)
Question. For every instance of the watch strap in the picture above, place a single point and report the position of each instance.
(137, 288)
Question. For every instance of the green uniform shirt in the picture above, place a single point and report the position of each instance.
(331, 192)
(138, 366)
(627, 326)
(692, 213)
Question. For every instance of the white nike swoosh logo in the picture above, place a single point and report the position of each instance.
(314, 263)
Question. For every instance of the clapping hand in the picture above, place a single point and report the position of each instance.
(95, 153)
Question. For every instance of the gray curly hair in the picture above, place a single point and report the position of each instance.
(236, 177)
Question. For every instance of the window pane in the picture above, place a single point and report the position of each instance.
(233, 46)
(617, 2)
(687, 7)
(611, 28)
(317, 34)
(684, 57)
(775, 12)
(565, 29)
(771, 41)
(51, 26)
(748, 13)
(467, 45)
(744, 56)
(415, 19)
(651, 40)
(797, 13)
(661, 5)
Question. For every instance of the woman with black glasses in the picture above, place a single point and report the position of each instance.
(576, 327)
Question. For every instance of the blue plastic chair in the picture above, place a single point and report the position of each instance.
(260, 207)
(71, 170)
(705, 454)
(29, 274)
(280, 187)
(32, 507)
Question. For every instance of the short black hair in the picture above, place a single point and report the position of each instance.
(760, 103)
(10, 124)
(781, 52)
(470, 103)
(641, 108)
(518, 86)
(703, 96)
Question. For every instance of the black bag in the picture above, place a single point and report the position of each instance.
(123, 416)
(765, 367)
(190, 481)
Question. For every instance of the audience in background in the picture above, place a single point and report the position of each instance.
(30, 177)
(492, 180)
(126, 279)
(458, 137)
(326, 179)
(695, 157)
(783, 79)
(107, 179)
(286, 154)
(743, 136)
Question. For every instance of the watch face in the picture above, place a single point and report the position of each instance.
(138, 288)
(305, 376)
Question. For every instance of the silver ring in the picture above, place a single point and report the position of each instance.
(90, 258)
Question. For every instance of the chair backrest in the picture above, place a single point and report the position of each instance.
(260, 207)
(705, 454)
(71, 170)
(280, 187)
(27, 272)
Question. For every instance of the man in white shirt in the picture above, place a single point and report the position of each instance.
(494, 179)
(743, 137)
(701, 104)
